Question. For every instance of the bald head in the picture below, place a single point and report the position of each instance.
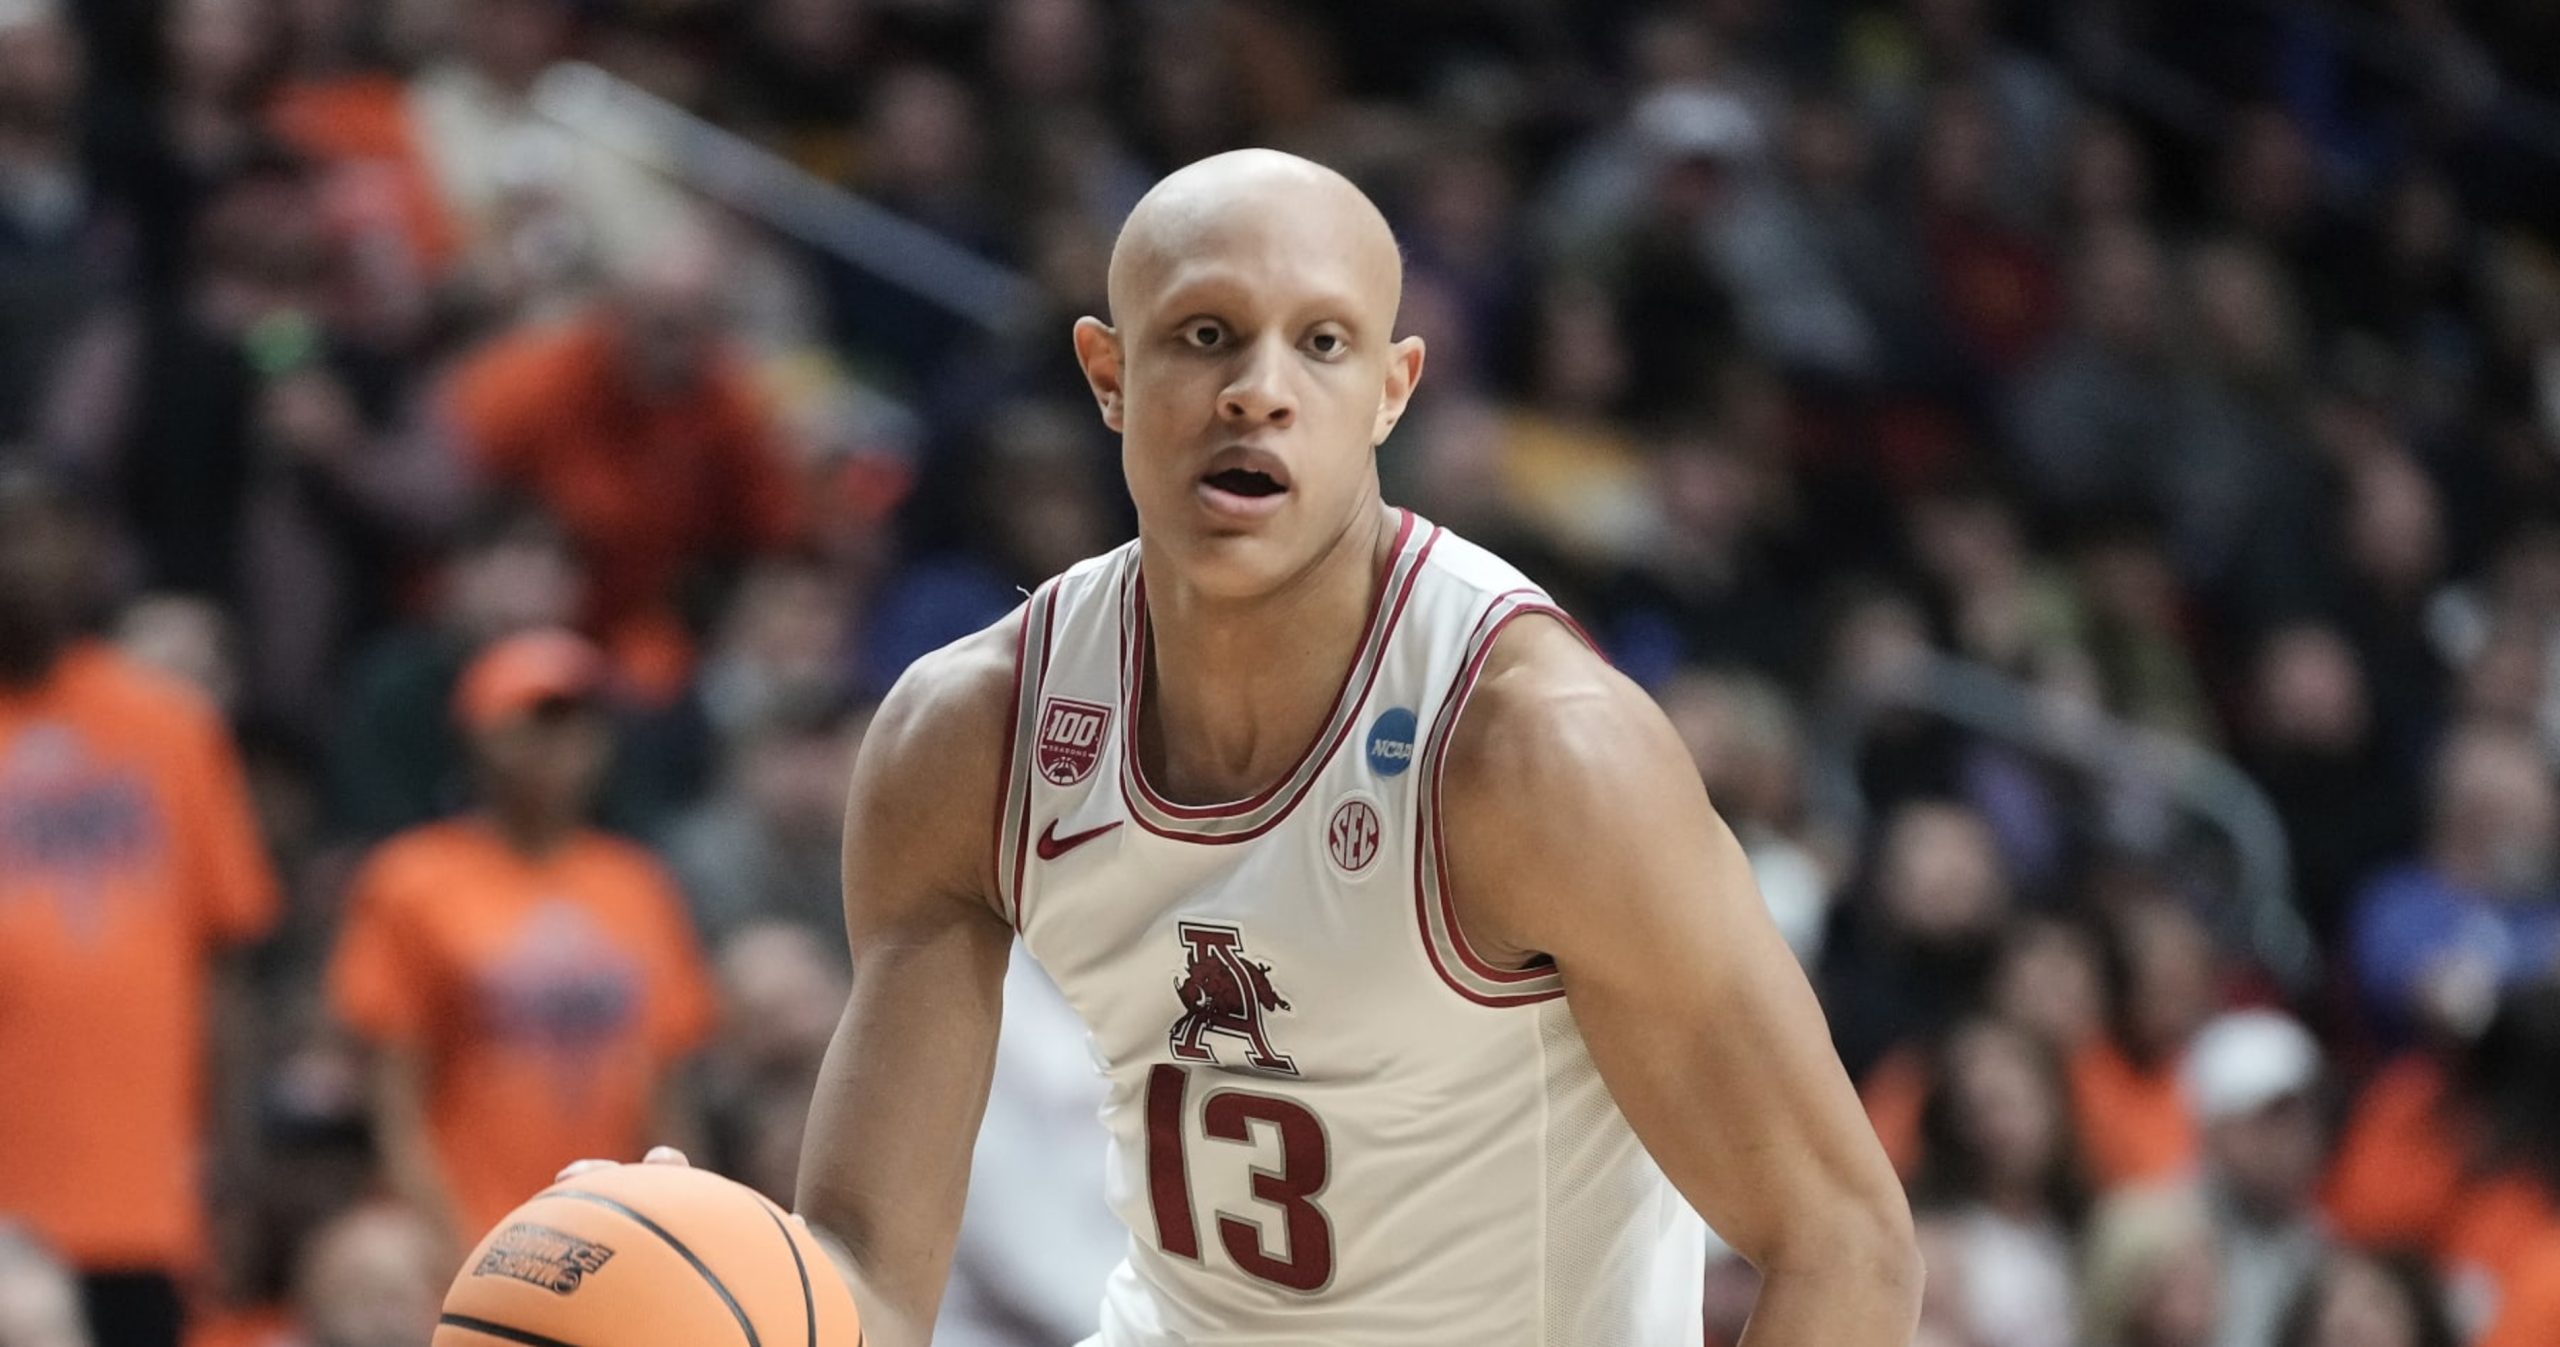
(1226, 200)
(1251, 369)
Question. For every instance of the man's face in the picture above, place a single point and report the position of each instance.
(1251, 375)
(2270, 1158)
(550, 758)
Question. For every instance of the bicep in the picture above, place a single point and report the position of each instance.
(1695, 1011)
(1714, 1046)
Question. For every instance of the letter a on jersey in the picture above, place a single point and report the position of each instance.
(1223, 992)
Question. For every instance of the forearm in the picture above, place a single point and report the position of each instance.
(884, 1171)
(1854, 1300)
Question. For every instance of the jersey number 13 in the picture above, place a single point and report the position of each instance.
(1303, 1260)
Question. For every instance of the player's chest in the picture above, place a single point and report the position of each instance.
(1293, 953)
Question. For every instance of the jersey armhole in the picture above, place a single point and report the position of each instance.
(1013, 814)
(1465, 971)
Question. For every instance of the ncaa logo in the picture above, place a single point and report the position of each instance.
(1352, 836)
(1070, 739)
(1391, 741)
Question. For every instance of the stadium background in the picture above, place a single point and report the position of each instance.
(2084, 477)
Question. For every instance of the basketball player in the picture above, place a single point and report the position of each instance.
(1435, 1002)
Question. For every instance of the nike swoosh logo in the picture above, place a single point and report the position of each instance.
(1052, 846)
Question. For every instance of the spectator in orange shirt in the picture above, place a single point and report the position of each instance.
(2501, 1246)
(129, 864)
(640, 431)
(531, 985)
(2528, 1305)
(2125, 1093)
(2402, 1159)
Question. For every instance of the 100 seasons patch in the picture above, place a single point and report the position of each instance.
(552, 1259)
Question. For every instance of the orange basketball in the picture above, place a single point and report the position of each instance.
(648, 1256)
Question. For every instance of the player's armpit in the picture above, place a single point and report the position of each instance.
(1578, 829)
(885, 1167)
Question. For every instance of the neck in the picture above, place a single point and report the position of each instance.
(1237, 689)
(530, 831)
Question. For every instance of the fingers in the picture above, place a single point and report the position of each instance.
(658, 1155)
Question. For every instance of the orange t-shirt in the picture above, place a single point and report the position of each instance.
(2494, 1224)
(2133, 1123)
(2528, 1298)
(2398, 1172)
(549, 997)
(128, 856)
(645, 488)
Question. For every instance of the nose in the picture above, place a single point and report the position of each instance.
(1260, 394)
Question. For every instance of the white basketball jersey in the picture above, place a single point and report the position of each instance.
(1331, 1121)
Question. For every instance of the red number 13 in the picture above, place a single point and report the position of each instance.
(1304, 1261)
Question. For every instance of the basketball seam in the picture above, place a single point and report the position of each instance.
(808, 1297)
(490, 1329)
(736, 1310)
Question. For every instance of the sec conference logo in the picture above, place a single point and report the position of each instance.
(1070, 739)
(1391, 741)
(1352, 835)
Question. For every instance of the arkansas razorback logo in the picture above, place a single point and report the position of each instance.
(1223, 992)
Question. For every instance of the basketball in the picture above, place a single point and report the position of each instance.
(648, 1256)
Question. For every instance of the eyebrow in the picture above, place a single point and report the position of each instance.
(1212, 292)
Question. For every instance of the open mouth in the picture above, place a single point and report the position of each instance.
(1245, 482)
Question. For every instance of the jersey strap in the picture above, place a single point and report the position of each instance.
(1030, 672)
(1467, 973)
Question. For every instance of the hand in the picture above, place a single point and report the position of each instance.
(658, 1155)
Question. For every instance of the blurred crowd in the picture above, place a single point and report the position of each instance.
(445, 562)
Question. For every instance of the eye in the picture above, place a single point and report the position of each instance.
(1204, 335)
(1328, 344)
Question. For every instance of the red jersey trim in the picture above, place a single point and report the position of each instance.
(1435, 908)
(1239, 821)
(1012, 793)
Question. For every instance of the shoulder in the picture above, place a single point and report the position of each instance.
(439, 845)
(924, 798)
(956, 699)
(138, 697)
(1450, 561)
(422, 861)
(1545, 708)
(1561, 777)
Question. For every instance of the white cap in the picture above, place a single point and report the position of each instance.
(2246, 1060)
